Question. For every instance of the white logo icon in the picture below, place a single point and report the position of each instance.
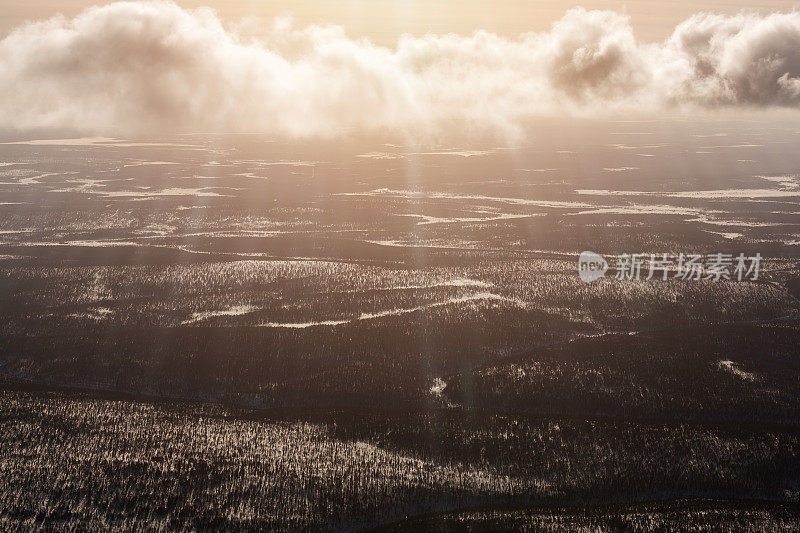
(591, 266)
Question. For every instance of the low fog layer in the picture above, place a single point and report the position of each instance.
(142, 67)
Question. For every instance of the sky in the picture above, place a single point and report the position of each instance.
(382, 21)
(429, 69)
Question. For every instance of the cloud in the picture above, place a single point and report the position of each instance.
(742, 60)
(143, 67)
